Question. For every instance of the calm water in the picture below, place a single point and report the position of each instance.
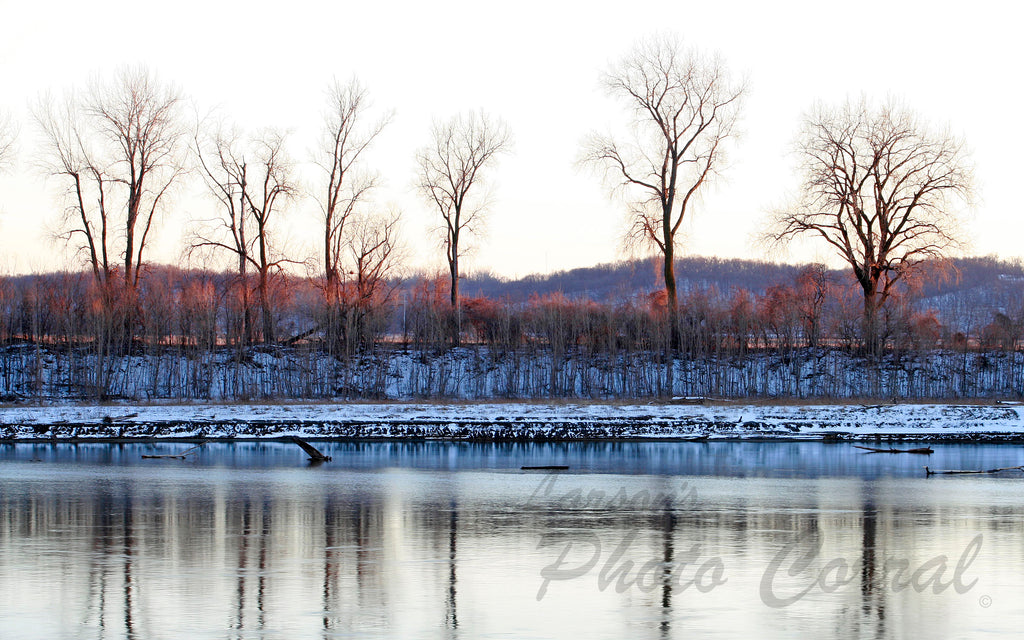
(439, 540)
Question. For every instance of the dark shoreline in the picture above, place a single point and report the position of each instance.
(471, 431)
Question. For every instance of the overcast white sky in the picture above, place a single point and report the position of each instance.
(536, 65)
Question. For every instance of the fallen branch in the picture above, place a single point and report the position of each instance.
(921, 450)
(688, 400)
(112, 420)
(551, 467)
(305, 334)
(929, 472)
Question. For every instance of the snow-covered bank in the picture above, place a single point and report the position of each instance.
(514, 421)
(40, 374)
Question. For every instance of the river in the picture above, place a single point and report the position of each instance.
(454, 540)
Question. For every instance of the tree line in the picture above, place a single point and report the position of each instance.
(880, 187)
(190, 339)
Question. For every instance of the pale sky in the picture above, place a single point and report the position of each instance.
(536, 65)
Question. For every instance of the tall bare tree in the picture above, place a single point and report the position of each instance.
(252, 180)
(882, 189)
(684, 108)
(449, 169)
(345, 137)
(119, 148)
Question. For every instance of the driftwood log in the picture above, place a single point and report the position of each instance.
(929, 472)
(313, 453)
(921, 450)
(177, 456)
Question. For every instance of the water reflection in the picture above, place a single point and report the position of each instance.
(872, 595)
(449, 541)
(808, 459)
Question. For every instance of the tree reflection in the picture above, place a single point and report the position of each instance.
(129, 554)
(872, 589)
(451, 608)
(669, 530)
(330, 563)
(329, 553)
(243, 552)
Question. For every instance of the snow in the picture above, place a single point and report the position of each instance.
(513, 420)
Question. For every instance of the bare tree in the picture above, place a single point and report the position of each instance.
(344, 139)
(881, 189)
(373, 247)
(684, 109)
(813, 286)
(8, 134)
(362, 311)
(252, 180)
(449, 169)
(118, 147)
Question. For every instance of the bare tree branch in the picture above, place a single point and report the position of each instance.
(8, 135)
(373, 248)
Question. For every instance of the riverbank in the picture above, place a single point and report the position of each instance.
(515, 421)
(37, 374)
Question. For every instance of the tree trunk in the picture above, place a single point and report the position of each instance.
(456, 328)
(329, 273)
(264, 290)
(266, 316)
(872, 345)
(672, 300)
(673, 345)
(453, 266)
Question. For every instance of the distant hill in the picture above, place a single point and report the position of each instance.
(622, 280)
(976, 288)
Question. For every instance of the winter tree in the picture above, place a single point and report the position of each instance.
(346, 134)
(883, 190)
(8, 133)
(683, 107)
(118, 148)
(451, 177)
(252, 178)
